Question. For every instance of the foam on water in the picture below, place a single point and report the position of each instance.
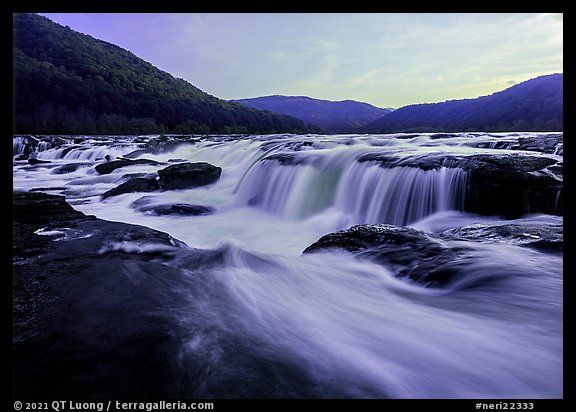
(350, 324)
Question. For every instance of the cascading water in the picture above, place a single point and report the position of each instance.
(83, 152)
(400, 195)
(365, 191)
(262, 319)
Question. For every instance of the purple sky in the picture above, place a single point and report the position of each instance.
(389, 60)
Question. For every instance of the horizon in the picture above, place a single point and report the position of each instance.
(371, 58)
(412, 104)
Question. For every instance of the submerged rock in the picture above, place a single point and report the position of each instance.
(69, 168)
(181, 209)
(188, 175)
(544, 236)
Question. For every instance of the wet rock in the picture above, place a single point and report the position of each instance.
(408, 252)
(430, 161)
(512, 185)
(540, 143)
(443, 135)
(138, 184)
(188, 175)
(123, 311)
(180, 209)
(503, 184)
(109, 167)
(546, 236)
(42, 209)
(81, 326)
(295, 158)
(32, 211)
(34, 161)
(69, 168)
(47, 189)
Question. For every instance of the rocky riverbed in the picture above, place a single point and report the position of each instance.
(361, 266)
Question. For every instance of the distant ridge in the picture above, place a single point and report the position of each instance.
(533, 105)
(346, 116)
(68, 82)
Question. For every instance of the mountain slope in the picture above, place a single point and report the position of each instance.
(534, 105)
(68, 82)
(345, 116)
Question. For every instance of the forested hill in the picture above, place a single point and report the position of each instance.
(534, 105)
(68, 82)
(345, 116)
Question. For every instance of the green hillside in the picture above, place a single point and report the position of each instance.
(68, 82)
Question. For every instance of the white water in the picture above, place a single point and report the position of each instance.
(350, 324)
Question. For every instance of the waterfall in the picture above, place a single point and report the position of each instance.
(399, 195)
(365, 191)
(84, 152)
(227, 305)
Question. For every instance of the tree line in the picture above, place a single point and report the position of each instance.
(68, 82)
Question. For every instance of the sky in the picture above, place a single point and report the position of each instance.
(385, 59)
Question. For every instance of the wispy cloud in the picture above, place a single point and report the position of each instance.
(385, 59)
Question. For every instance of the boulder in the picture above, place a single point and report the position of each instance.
(188, 175)
(34, 161)
(512, 185)
(109, 167)
(138, 184)
(446, 258)
(408, 252)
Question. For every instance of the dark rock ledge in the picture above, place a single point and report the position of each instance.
(86, 317)
(112, 310)
(436, 260)
(178, 176)
(504, 184)
(408, 252)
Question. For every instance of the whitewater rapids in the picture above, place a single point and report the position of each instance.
(341, 326)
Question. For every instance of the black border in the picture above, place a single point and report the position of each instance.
(334, 7)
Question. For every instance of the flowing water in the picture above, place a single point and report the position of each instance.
(354, 328)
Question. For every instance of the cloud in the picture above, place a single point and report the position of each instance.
(511, 82)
